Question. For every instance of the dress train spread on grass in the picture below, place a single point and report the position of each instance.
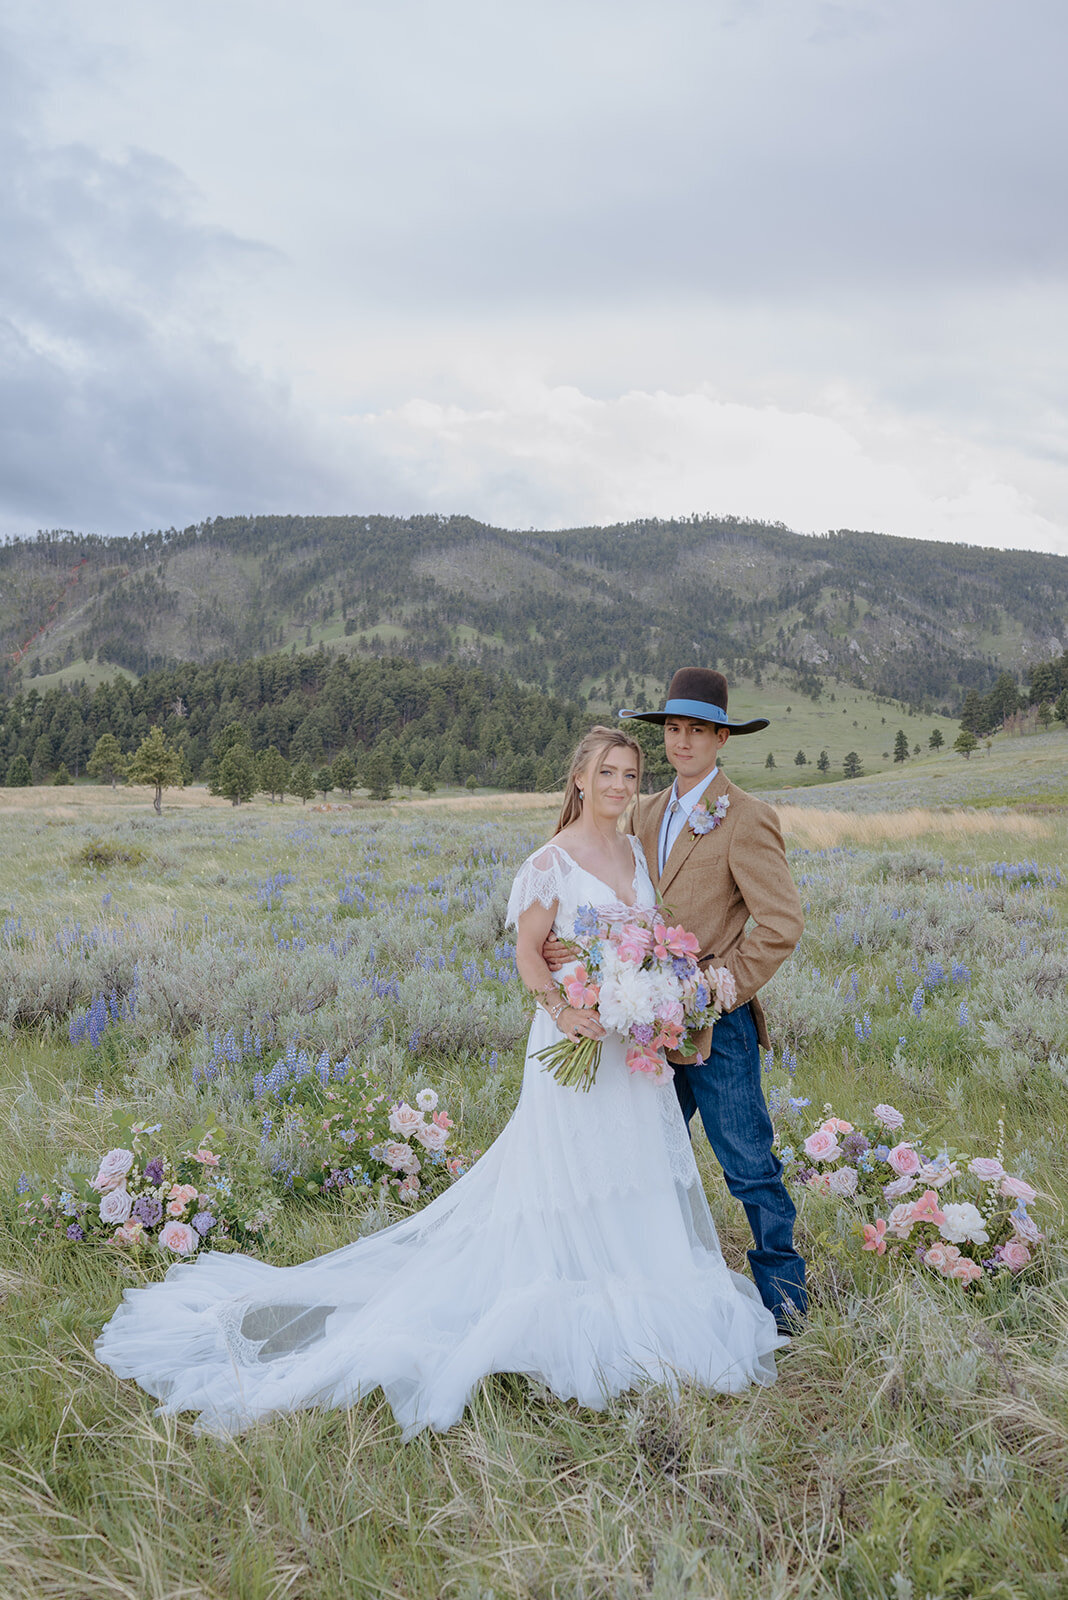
(578, 1251)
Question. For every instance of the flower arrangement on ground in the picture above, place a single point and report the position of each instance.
(961, 1216)
(141, 1197)
(375, 1145)
(643, 978)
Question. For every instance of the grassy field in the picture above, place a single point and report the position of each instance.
(917, 1441)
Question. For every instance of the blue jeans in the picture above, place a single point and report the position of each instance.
(725, 1089)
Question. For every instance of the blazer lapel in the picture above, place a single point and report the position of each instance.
(687, 839)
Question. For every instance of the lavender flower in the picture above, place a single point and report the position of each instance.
(76, 1232)
(203, 1222)
(854, 1145)
(642, 1033)
(154, 1170)
(147, 1209)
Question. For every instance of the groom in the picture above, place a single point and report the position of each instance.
(717, 860)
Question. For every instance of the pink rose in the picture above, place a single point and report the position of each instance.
(115, 1204)
(934, 1175)
(433, 1137)
(822, 1146)
(986, 1168)
(1017, 1189)
(113, 1169)
(409, 1188)
(401, 1157)
(836, 1125)
(183, 1192)
(207, 1158)
(819, 1182)
(633, 943)
(1013, 1254)
(843, 1181)
(904, 1160)
(899, 1188)
(1024, 1228)
(889, 1117)
(966, 1270)
(176, 1207)
(899, 1222)
(940, 1257)
(179, 1237)
(131, 1232)
(404, 1119)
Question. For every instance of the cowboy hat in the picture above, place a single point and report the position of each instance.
(700, 693)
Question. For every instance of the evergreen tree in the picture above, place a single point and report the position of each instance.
(42, 759)
(823, 761)
(324, 781)
(107, 760)
(19, 775)
(236, 776)
(407, 776)
(273, 772)
(345, 773)
(1061, 707)
(901, 745)
(157, 763)
(302, 782)
(427, 781)
(62, 776)
(851, 766)
(376, 773)
(800, 760)
(770, 762)
(965, 743)
(936, 741)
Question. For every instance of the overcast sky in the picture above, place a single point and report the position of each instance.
(549, 264)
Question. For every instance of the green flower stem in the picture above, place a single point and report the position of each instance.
(573, 1065)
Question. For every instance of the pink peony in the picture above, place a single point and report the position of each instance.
(899, 1188)
(822, 1146)
(1013, 1254)
(1017, 1189)
(115, 1204)
(843, 1181)
(179, 1237)
(726, 988)
(836, 1125)
(401, 1157)
(889, 1117)
(875, 1236)
(433, 1136)
(940, 1257)
(899, 1222)
(966, 1270)
(904, 1160)
(113, 1169)
(403, 1120)
(925, 1209)
(986, 1168)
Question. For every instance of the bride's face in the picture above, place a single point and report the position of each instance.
(610, 782)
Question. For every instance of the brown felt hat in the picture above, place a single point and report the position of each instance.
(701, 693)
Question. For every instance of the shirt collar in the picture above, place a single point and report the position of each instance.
(688, 800)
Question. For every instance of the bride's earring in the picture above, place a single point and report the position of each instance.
(582, 794)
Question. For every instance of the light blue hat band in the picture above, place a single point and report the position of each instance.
(695, 708)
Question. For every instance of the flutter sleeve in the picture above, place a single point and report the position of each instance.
(540, 880)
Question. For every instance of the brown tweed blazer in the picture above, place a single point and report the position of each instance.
(714, 883)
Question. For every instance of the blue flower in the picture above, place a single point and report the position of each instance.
(585, 922)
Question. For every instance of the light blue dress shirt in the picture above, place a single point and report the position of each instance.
(675, 820)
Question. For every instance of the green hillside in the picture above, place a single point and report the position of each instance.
(601, 613)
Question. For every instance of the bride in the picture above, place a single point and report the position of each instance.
(579, 1251)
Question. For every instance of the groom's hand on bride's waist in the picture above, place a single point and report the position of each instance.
(556, 954)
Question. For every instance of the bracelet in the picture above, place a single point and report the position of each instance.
(545, 997)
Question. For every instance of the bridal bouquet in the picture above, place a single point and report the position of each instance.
(644, 981)
(964, 1217)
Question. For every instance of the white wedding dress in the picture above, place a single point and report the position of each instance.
(578, 1251)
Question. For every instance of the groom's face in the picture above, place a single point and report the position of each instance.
(692, 748)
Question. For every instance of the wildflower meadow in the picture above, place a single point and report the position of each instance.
(272, 1029)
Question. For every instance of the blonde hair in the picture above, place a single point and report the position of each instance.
(590, 747)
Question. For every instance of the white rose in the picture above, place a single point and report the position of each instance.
(113, 1169)
(899, 1222)
(843, 1181)
(427, 1100)
(889, 1116)
(404, 1120)
(115, 1205)
(963, 1222)
(401, 1157)
(432, 1137)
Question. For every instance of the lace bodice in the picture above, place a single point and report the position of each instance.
(551, 876)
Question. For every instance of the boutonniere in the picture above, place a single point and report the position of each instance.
(703, 821)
